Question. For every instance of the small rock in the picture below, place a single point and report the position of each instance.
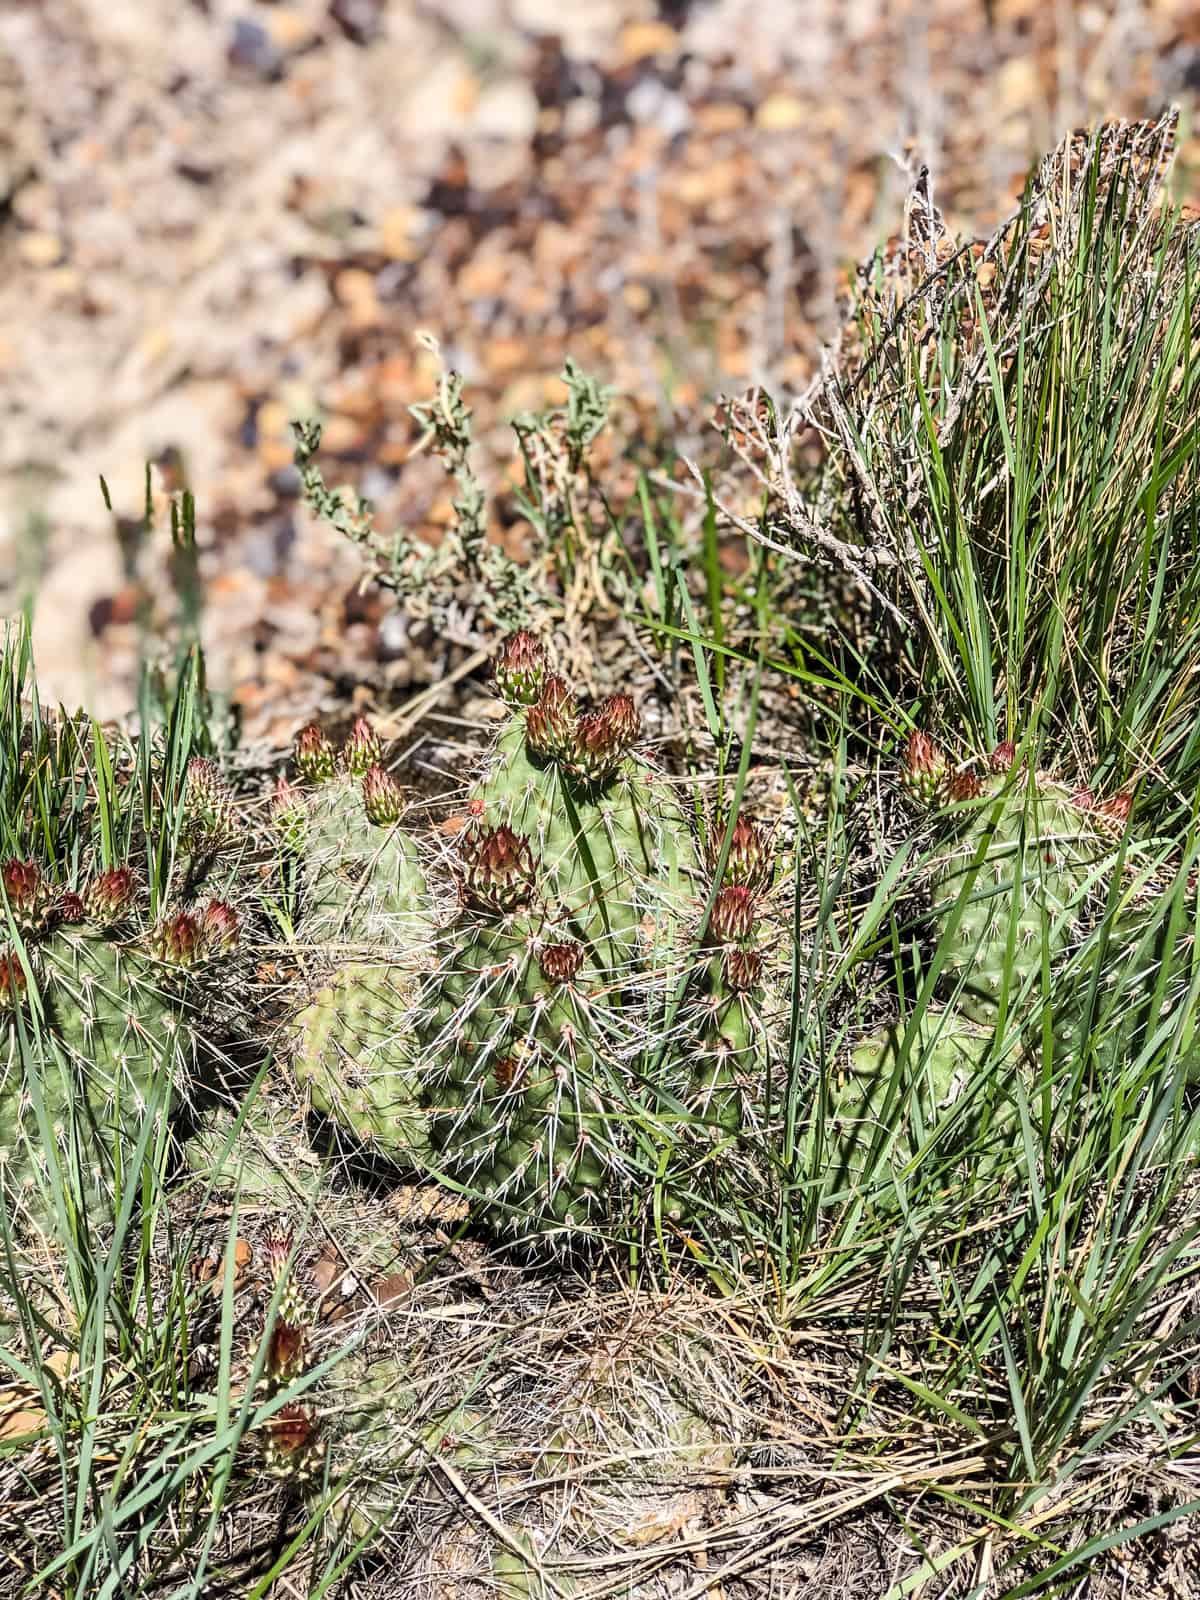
(360, 21)
(780, 113)
(642, 39)
(253, 50)
(40, 249)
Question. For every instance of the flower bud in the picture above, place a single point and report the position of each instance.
(108, 899)
(603, 737)
(560, 963)
(287, 809)
(220, 928)
(497, 870)
(362, 749)
(286, 1341)
(12, 982)
(293, 1448)
(179, 940)
(550, 722)
(208, 810)
(30, 898)
(923, 770)
(71, 908)
(1003, 756)
(1115, 809)
(743, 968)
(749, 858)
(963, 786)
(520, 669)
(382, 797)
(733, 914)
(314, 755)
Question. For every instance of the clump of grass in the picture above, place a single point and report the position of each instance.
(1010, 436)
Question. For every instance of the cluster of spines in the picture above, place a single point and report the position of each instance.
(317, 763)
(589, 744)
(106, 903)
(293, 1447)
(733, 922)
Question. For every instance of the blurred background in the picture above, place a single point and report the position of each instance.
(216, 215)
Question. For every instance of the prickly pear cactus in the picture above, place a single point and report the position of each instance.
(908, 1081)
(99, 1040)
(362, 885)
(256, 1151)
(1015, 877)
(503, 1049)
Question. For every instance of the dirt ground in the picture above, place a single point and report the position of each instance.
(216, 215)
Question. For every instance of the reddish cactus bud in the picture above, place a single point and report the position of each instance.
(30, 898)
(208, 811)
(293, 1448)
(964, 786)
(108, 898)
(277, 1252)
(287, 809)
(743, 969)
(286, 1353)
(749, 858)
(923, 770)
(550, 722)
(179, 940)
(314, 755)
(220, 928)
(362, 749)
(382, 797)
(733, 913)
(1083, 799)
(623, 720)
(287, 1338)
(497, 869)
(602, 738)
(1003, 756)
(12, 982)
(1116, 809)
(520, 669)
(71, 908)
(560, 963)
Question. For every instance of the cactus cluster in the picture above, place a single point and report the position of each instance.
(1018, 857)
(536, 965)
(99, 1039)
(1023, 857)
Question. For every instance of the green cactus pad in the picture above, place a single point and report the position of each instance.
(1023, 866)
(365, 889)
(905, 1082)
(113, 1044)
(354, 1057)
(265, 1160)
